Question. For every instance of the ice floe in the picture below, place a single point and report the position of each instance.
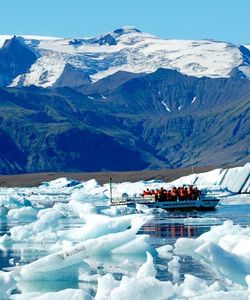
(225, 247)
(65, 231)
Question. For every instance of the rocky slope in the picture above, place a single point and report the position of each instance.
(126, 122)
(125, 100)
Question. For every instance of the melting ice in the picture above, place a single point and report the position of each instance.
(69, 244)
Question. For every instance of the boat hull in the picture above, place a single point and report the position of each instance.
(185, 205)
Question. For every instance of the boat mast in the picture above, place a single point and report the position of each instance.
(110, 189)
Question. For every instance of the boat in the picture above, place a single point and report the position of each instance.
(203, 202)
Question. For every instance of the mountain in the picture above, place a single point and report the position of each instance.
(160, 120)
(125, 49)
(125, 100)
(15, 59)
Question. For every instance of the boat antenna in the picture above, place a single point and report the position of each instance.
(110, 189)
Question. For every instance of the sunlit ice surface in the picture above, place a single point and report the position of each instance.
(63, 241)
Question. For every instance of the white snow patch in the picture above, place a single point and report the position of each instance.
(194, 99)
(166, 106)
(136, 52)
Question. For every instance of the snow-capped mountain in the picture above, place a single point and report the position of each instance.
(125, 49)
(128, 92)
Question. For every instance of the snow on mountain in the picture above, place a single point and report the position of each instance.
(128, 49)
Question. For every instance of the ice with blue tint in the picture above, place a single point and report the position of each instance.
(62, 240)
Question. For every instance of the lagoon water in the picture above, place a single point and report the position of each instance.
(164, 228)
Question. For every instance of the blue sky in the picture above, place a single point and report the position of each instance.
(226, 20)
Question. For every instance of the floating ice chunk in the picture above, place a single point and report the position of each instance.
(97, 226)
(231, 295)
(3, 211)
(143, 286)
(118, 210)
(72, 294)
(80, 209)
(144, 208)
(90, 192)
(64, 263)
(5, 240)
(216, 233)
(147, 269)
(232, 266)
(107, 243)
(13, 201)
(236, 199)
(225, 247)
(106, 284)
(61, 183)
(194, 286)
(174, 268)
(248, 282)
(7, 284)
(138, 246)
(165, 251)
(204, 221)
(31, 253)
(186, 246)
(43, 228)
(22, 213)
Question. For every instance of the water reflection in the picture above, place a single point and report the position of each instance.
(164, 229)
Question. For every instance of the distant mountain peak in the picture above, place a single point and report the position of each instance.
(126, 30)
(125, 49)
(13, 42)
(110, 38)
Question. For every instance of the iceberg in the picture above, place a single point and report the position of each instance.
(57, 263)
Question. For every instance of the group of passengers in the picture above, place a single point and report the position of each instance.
(180, 193)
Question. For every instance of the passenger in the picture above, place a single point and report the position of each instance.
(169, 195)
(190, 192)
(174, 194)
(161, 197)
(165, 195)
(185, 193)
(157, 193)
(182, 194)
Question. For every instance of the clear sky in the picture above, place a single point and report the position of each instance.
(226, 20)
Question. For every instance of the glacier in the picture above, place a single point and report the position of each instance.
(127, 49)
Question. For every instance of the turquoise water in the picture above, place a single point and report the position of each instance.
(164, 229)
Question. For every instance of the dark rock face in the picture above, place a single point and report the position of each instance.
(12, 159)
(15, 59)
(130, 122)
(72, 77)
(107, 39)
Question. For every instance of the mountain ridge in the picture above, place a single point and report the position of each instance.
(61, 128)
(128, 49)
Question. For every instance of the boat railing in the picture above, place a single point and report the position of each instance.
(133, 199)
(151, 199)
